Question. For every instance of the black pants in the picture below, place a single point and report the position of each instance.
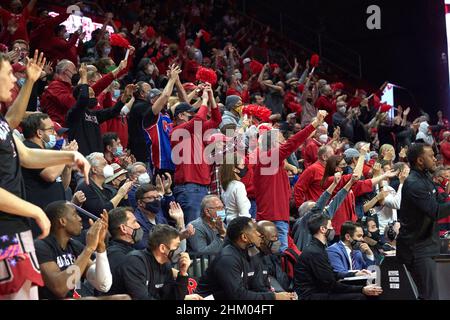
(337, 296)
(423, 271)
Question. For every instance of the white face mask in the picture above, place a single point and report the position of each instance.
(342, 110)
(144, 179)
(108, 171)
(323, 138)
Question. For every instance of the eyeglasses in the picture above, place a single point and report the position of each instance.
(47, 129)
(152, 198)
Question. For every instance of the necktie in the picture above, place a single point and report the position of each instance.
(353, 256)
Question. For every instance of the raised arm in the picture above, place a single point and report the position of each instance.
(16, 112)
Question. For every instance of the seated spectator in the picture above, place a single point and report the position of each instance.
(137, 172)
(210, 228)
(117, 180)
(59, 252)
(148, 274)
(390, 236)
(100, 196)
(350, 256)
(151, 210)
(301, 234)
(125, 232)
(272, 277)
(84, 121)
(229, 276)
(234, 195)
(444, 147)
(314, 275)
(372, 237)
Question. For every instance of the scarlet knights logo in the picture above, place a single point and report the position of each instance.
(167, 127)
(192, 285)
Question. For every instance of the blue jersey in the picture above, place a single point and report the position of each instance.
(157, 137)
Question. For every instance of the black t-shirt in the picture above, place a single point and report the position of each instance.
(136, 138)
(96, 200)
(39, 191)
(48, 250)
(11, 180)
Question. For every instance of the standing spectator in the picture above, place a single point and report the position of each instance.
(444, 148)
(235, 195)
(210, 228)
(233, 111)
(63, 46)
(15, 21)
(136, 137)
(271, 181)
(192, 174)
(84, 121)
(311, 150)
(421, 208)
(15, 213)
(59, 251)
(326, 102)
(308, 187)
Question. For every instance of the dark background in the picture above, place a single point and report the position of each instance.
(406, 51)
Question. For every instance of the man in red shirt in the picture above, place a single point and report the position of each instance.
(325, 102)
(192, 173)
(309, 153)
(15, 21)
(444, 148)
(308, 186)
(271, 181)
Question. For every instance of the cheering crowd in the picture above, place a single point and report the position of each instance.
(124, 156)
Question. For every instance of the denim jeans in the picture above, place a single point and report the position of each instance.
(283, 230)
(190, 196)
(253, 208)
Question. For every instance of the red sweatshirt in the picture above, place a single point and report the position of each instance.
(310, 152)
(59, 49)
(308, 186)
(272, 185)
(444, 223)
(347, 210)
(20, 21)
(324, 103)
(196, 170)
(445, 151)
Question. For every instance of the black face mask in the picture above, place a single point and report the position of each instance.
(242, 172)
(75, 79)
(375, 235)
(92, 103)
(310, 100)
(137, 234)
(355, 244)
(153, 206)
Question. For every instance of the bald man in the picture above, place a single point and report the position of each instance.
(270, 274)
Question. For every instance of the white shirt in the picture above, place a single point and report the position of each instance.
(236, 201)
(388, 212)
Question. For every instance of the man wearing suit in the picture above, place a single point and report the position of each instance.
(350, 256)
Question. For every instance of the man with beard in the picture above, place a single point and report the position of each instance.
(59, 253)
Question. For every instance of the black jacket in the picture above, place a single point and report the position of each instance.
(117, 253)
(230, 277)
(314, 274)
(84, 123)
(136, 138)
(270, 274)
(145, 278)
(420, 210)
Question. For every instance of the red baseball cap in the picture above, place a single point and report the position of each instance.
(60, 130)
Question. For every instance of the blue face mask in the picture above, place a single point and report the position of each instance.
(116, 94)
(51, 142)
(119, 151)
(222, 214)
(21, 82)
(367, 157)
(59, 144)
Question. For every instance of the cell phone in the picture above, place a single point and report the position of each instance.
(126, 54)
